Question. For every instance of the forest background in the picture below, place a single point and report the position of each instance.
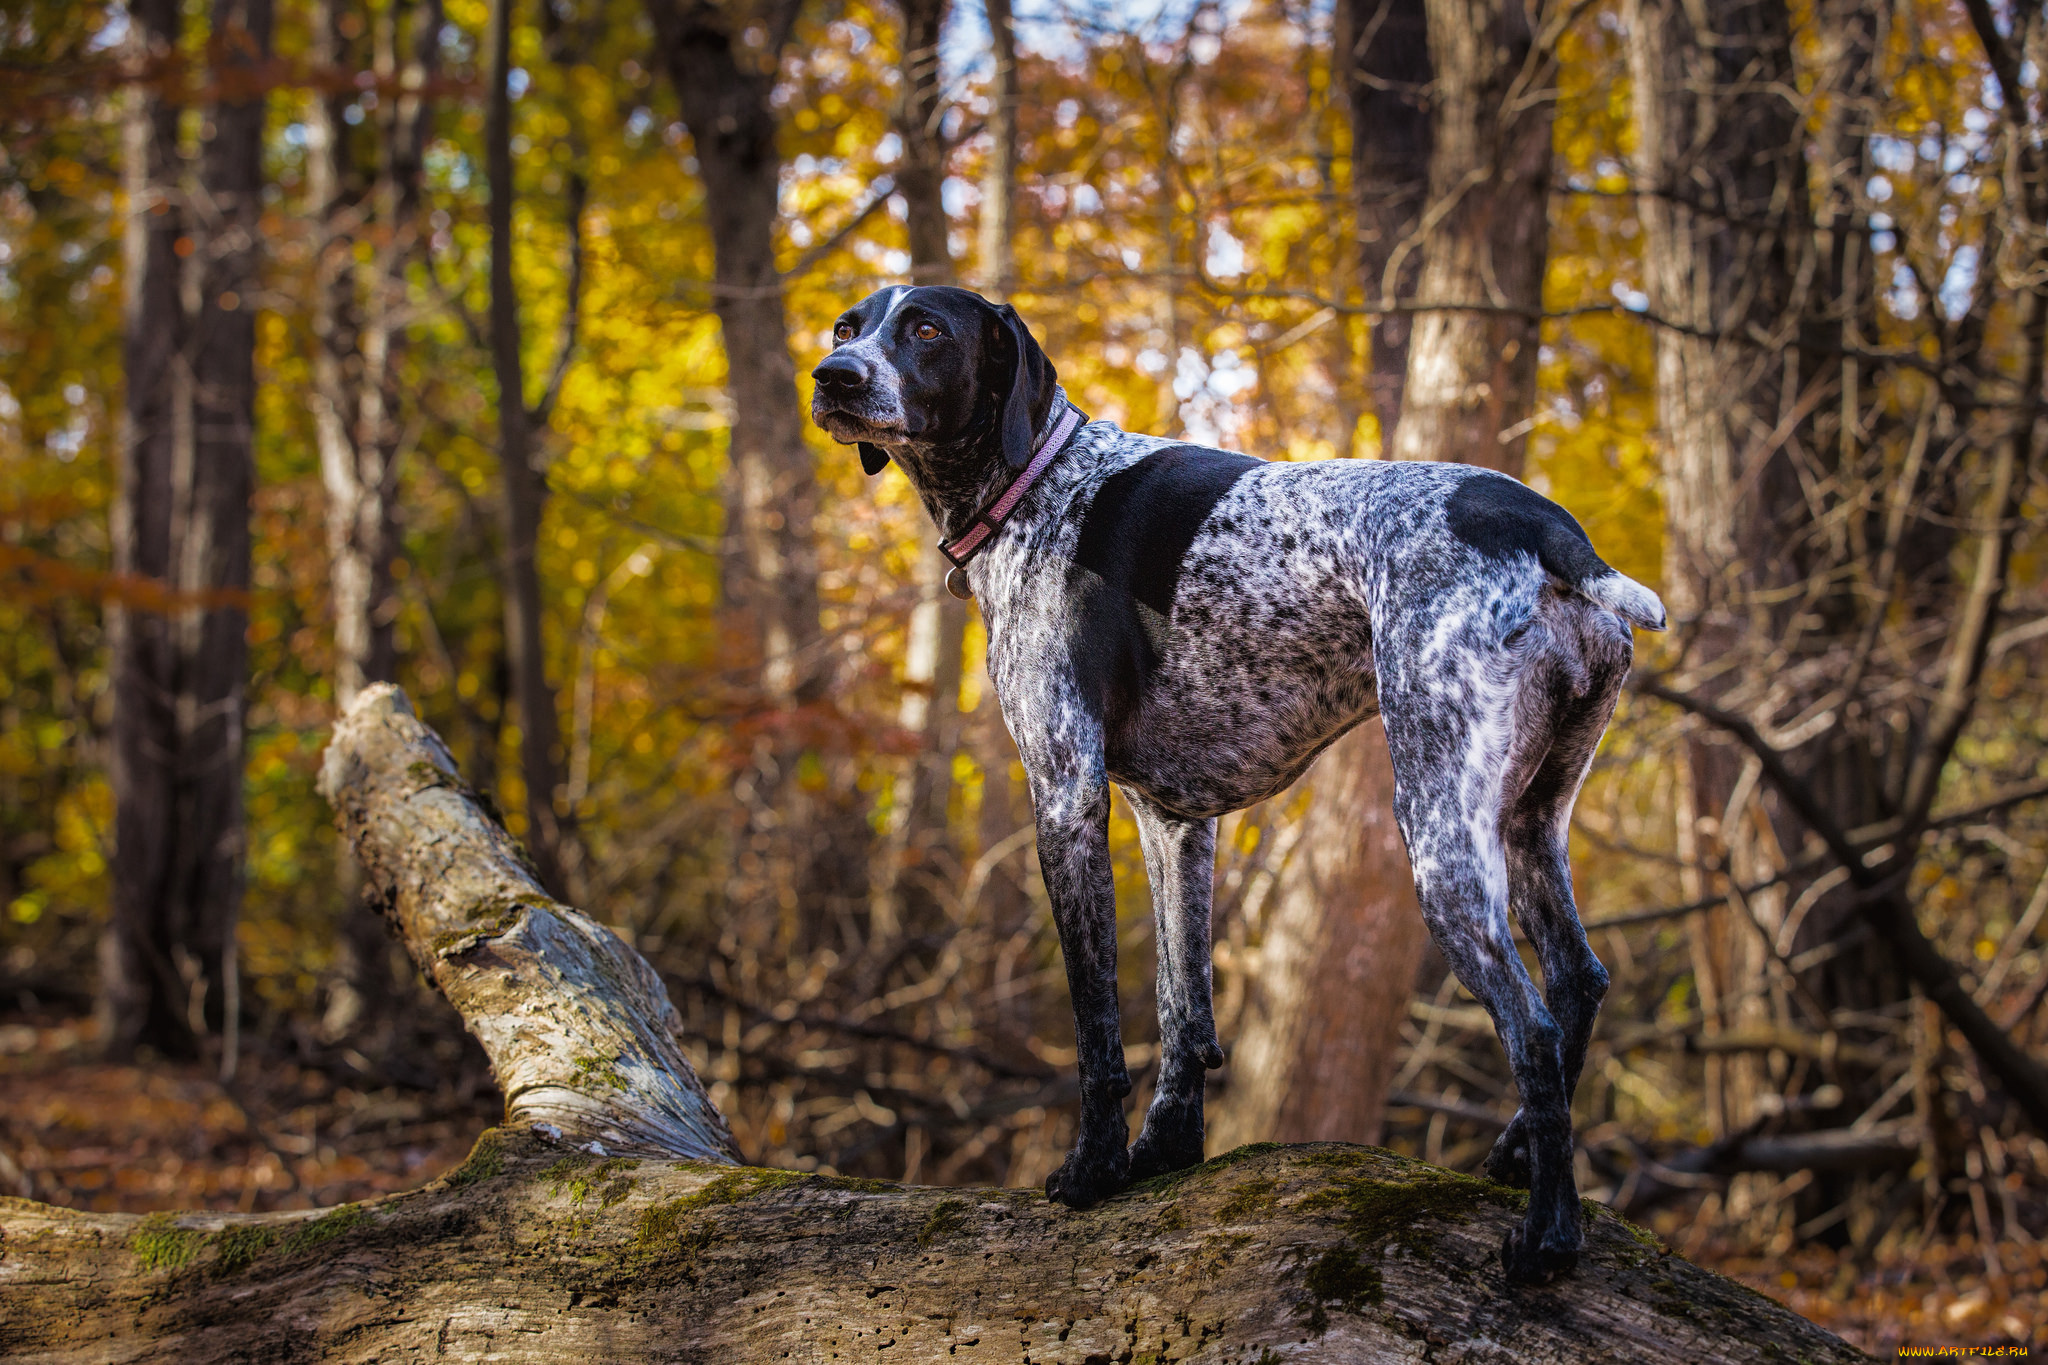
(1754, 288)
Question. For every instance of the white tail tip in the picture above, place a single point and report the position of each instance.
(1626, 598)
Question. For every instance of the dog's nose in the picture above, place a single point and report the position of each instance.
(844, 373)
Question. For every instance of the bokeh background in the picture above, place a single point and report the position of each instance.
(1754, 288)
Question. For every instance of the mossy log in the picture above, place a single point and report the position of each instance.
(535, 1251)
(588, 1228)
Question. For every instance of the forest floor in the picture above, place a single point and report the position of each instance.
(78, 1132)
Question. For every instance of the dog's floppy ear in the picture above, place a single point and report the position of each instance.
(873, 459)
(1030, 389)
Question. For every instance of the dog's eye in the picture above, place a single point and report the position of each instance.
(843, 332)
(925, 331)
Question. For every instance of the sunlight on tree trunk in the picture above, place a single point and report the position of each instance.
(1484, 237)
(1381, 52)
(998, 227)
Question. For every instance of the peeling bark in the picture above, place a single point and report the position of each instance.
(579, 1030)
(573, 1233)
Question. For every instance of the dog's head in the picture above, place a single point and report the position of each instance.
(937, 368)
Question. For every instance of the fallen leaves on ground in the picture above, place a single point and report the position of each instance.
(1938, 1294)
(135, 1139)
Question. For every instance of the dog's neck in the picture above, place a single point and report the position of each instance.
(956, 479)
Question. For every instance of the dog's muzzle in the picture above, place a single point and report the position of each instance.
(849, 403)
(841, 375)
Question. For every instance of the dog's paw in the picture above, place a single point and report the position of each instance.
(1537, 1261)
(1508, 1162)
(1155, 1153)
(1085, 1180)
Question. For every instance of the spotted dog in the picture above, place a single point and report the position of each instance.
(1195, 626)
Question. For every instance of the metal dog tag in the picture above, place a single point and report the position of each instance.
(956, 583)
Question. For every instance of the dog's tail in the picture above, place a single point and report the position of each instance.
(1565, 552)
(1503, 517)
(1626, 598)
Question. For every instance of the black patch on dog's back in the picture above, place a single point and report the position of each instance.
(1134, 537)
(1502, 517)
(1144, 518)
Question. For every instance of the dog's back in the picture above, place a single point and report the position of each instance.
(1221, 610)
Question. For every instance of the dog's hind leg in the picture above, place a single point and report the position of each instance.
(1450, 759)
(1574, 982)
(1180, 861)
(1536, 830)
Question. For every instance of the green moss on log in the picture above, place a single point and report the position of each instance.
(1410, 1211)
(236, 1249)
(1210, 1167)
(324, 1229)
(486, 1159)
(1376, 1213)
(599, 1073)
(1597, 1212)
(576, 1176)
(659, 1222)
(426, 776)
(488, 918)
(1254, 1196)
(948, 1216)
(160, 1244)
(1338, 1279)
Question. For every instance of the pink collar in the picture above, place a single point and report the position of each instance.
(990, 519)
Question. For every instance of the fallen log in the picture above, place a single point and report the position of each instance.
(606, 1219)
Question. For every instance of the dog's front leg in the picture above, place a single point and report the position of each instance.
(1073, 853)
(1180, 860)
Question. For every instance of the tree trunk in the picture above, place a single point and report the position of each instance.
(804, 854)
(1341, 943)
(1344, 936)
(918, 850)
(181, 543)
(724, 85)
(1723, 181)
(1719, 164)
(921, 174)
(1472, 371)
(1382, 56)
(998, 225)
(525, 491)
(357, 319)
(358, 343)
(602, 1221)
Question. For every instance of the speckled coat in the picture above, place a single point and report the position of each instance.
(1195, 626)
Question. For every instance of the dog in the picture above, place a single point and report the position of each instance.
(1195, 626)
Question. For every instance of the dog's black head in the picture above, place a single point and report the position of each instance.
(934, 368)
